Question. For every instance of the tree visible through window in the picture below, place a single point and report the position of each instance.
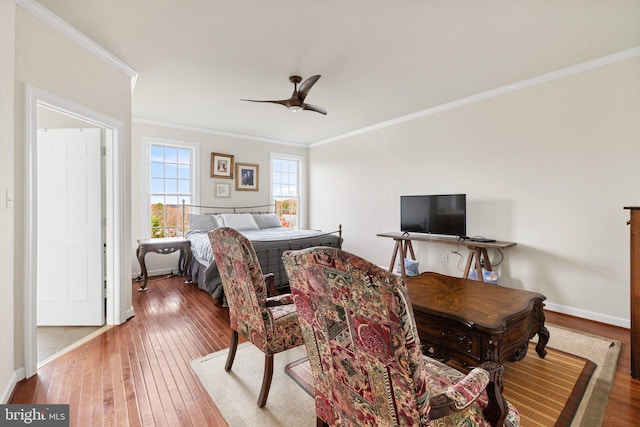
(171, 182)
(286, 189)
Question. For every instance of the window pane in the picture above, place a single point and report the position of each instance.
(171, 154)
(184, 172)
(157, 199)
(184, 156)
(157, 170)
(157, 153)
(184, 186)
(170, 170)
(171, 186)
(157, 185)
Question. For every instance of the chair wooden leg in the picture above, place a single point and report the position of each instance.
(266, 380)
(232, 351)
(320, 422)
(496, 410)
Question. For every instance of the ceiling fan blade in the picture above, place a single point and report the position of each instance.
(285, 102)
(315, 108)
(306, 86)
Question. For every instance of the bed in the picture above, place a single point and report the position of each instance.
(265, 231)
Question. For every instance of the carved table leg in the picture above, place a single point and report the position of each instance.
(141, 252)
(543, 339)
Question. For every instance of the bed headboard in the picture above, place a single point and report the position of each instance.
(217, 210)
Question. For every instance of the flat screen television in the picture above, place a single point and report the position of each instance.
(444, 214)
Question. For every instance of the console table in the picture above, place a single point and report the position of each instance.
(477, 250)
(475, 322)
(165, 245)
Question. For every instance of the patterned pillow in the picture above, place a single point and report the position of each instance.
(240, 222)
(267, 220)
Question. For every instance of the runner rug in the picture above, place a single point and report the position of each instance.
(570, 386)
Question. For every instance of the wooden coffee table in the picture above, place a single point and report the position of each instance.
(474, 322)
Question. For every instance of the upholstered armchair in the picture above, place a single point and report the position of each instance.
(365, 354)
(270, 323)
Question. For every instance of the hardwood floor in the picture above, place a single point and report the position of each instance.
(624, 401)
(138, 373)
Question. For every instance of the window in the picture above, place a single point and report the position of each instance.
(171, 180)
(286, 189)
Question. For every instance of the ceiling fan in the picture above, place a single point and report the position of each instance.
(296, 102)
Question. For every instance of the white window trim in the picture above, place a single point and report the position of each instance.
(145, 209)
(302, 207)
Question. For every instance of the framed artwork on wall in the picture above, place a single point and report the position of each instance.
(223, 190)
(221, 165)
(246, 177)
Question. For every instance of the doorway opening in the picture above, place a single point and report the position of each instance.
(69, 266)
(107, 274)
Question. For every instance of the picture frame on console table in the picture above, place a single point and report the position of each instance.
(246, 177)
(221, 165)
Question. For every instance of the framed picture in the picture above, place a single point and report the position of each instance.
(223, 190)
(221, 165)
(246, 177)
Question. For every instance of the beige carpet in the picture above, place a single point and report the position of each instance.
(236, 393)
(604, 352)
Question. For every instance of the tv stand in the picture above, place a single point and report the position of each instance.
(477, 250)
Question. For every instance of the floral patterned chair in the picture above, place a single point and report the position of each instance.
(270, 323)
(365, 354)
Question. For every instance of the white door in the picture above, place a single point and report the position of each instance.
(69, 228)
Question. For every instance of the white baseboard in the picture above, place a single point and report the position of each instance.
(18, 375)
(597, 317)
(128, 314)
(164, 271)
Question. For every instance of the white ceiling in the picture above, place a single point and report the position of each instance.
(379, 59)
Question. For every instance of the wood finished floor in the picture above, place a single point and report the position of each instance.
(138, 373)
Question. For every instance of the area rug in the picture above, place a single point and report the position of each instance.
(236, 393)
(602, 351)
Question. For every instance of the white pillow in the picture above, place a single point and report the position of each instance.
(267, 220)
(201, 222)
(241, 222)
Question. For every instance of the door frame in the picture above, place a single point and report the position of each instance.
(115, 218)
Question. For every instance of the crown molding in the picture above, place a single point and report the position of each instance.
(55, 22)
(543, 78)
(214, 132)
(44, 14)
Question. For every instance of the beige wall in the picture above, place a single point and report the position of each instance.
(549, 167)
(243, 150)
(48, 60)
(7, 83)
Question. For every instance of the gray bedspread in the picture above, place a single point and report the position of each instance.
(269, 244)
